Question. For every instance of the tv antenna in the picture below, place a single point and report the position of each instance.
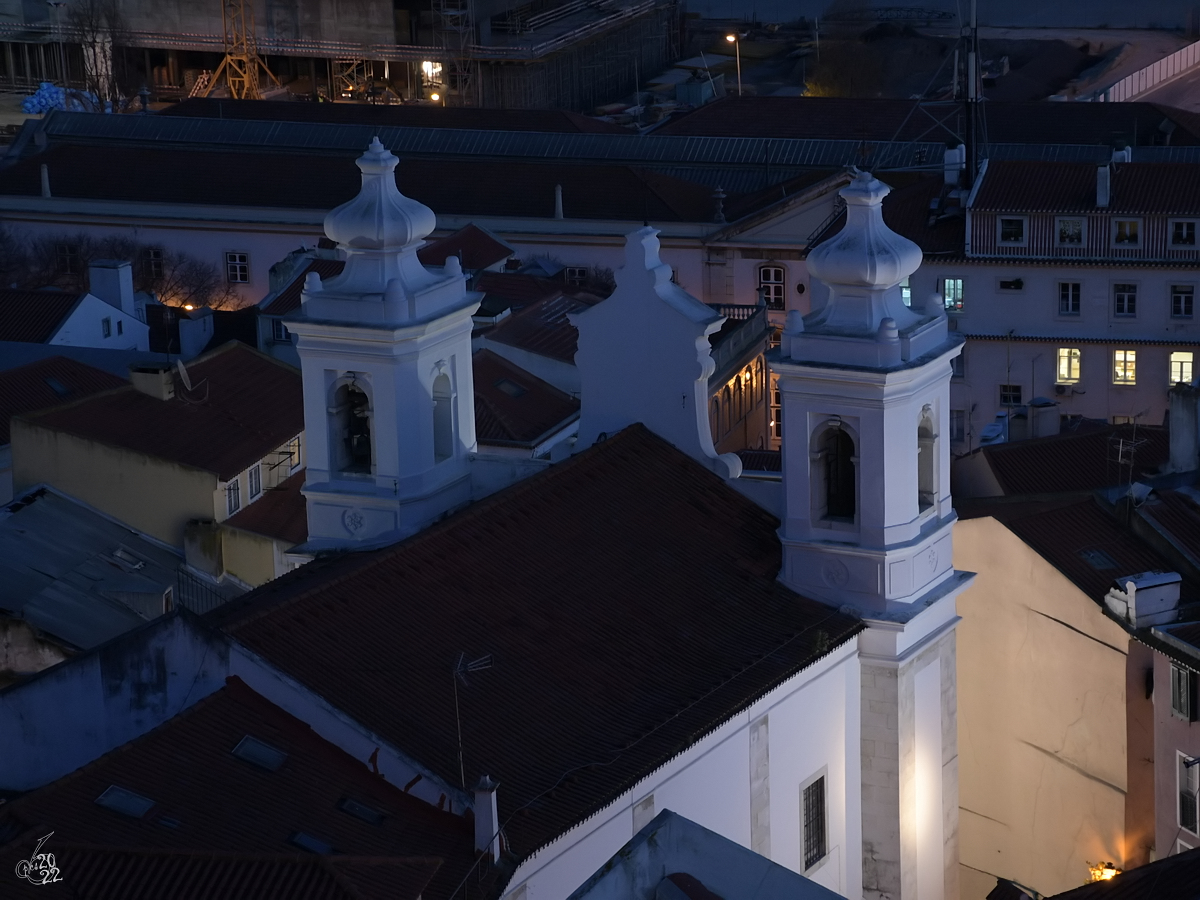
(461, 668)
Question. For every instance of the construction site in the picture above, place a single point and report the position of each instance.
(501, 54)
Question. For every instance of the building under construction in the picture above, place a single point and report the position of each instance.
(528, 54)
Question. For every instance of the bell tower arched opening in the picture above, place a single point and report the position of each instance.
(351, 426)
(443, 418)
(926, 453)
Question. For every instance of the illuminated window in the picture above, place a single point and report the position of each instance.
(770, 286)
(952, 294)
(1182, 300)
(1070, 232)
(1125, 300)
(776, 410)
(1124, 367)
(1181, 367)
(1068, 298)
(1126, 232)
(1068, 365)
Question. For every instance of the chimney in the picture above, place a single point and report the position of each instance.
(1122, 155)
(1184, 416)
(1145, 599)
(156, 381)
(112, 281)
(487, 820)
(1103, 186)
(45, 180)
(953, 164)
(558, 213)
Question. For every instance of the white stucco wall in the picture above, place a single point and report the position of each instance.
(85, 328)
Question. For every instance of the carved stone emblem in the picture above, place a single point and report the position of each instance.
(931, 559)
(834, 573)
(353, 520)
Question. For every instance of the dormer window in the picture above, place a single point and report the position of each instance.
(1070, 232)
(1012, 231)
(1127, 233)
(1183, 233)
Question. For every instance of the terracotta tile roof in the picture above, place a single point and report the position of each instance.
(244, 405)
(475, 247)
(288, 299)
(206, 800)
(513, 407)
(629, 575)
(761, 460)
(34, 316)
(836, 118)
(547, 120)
(1175, 877)
(1028, 186)
(513, 290)
(459, 186)
(1075, 462)
(114, 873)
(1087, 545)
(279, 513)
(46, 383)
(543, 327)
(906, 211)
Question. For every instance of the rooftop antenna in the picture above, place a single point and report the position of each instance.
(461, 668)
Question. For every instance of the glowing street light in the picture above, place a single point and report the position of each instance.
(735, 39)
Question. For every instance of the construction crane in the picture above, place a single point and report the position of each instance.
(242, 64)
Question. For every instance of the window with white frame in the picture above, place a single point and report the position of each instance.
(776, 410)
(1183, 689)
(1183, 233)
(770, 286)
(1183, 298)
(1124, 300)
(237, 268)
(952, 294)
(579, 274)
(255, 478)
(293, 449)
(1124, 367)
(958, 425)
(67, 259)
(279, 332)
(1069, 293)
(1012, 230)
(1068, 365)
(152, 263)
(1010, 395)
(233, 496)
(1188, 783)
(1181, 366)
(1070, 232)
(1127, 232)
(814, 837)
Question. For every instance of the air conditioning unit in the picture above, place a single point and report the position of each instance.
(1060, 389)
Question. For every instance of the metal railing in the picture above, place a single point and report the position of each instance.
(196, 595)
(752, 327)
(1154, 74)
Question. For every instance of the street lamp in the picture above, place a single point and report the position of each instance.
(735, 39)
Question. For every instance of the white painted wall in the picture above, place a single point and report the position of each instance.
(85, 328)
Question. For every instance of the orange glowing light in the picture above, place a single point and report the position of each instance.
(1103, 871)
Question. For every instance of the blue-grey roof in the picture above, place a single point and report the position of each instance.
(76, 575)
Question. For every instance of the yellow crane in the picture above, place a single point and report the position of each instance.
(242, 64)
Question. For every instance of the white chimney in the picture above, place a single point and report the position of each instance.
(558, 210)
(156, 381)
(953, 163)
(1123, 155)
(112, 281)
(1103, 186)
(487, 819)
(1145, 599)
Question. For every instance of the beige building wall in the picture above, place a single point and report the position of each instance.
(1041, 718)
(252, 558)
(151, 495)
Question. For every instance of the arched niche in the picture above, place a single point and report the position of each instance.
(834, 473)
(351, 437)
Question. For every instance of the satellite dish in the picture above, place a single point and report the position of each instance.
(183, 374)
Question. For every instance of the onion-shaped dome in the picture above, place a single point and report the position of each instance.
(380, 217)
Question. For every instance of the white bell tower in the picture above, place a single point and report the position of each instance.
(867, 520)
(385, 351)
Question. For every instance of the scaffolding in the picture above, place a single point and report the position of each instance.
(242, 63)
(455, 33)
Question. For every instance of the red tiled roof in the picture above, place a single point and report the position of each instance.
(1175, 877)
(1087, 545)
(628, 575)
(46, 383)
(761, 460)
(34, 316)
(513, 407)
(244, 404)
(906, 211)
(288, 299)
(1029, 186)
(838, 118)
(1075, 462)
(279, 513)
(475, 247)
(1177, 516)
(548, 120)
(206, 800)
(543, 327)
(458, 186)
(504, 290)
(117, 873)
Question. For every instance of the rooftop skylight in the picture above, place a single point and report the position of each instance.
(125, 802)
(252, 750)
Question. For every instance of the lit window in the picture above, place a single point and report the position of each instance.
(770, 286)
(1182, 300)
(952, 294)
(106, 327)
(255, 481)
(1124, 367)
(1068, 365)
(1010, 395)
(1188, 783)
(233, 497)
(1181, 367)
(1068, 298)
(815, 839)
(237, 268)
(1183, 234)
(958, 425)
(1124, 300)
(776, 410)
(1012, 231)
(1125, 232)
(1070, 232)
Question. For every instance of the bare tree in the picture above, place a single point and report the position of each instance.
(100, 28)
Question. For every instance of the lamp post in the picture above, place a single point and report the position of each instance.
(735, 39)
